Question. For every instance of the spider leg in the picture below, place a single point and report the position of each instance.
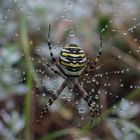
(93, 107)
(91, 103)
(93, 64)
(52, 69)
(50, 102)
(50, 46)
(54, 61)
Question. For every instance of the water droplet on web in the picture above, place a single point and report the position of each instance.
(43, 94)
(96, 97)
(69, 99)
(135, 39)
(77, 93)
(63, 96)
(114, 107)
(38, 28)
(121, 85)
(97, 83)
(127, 70)
(69, 3)
(102, 30)
(114, 120)
(82, 118)
(119, 56)
(72, 34)
(92, 90)
(132, 103)
(134, 19)
(113, 30)
(93, 79)
(101, 106)
(99, 91)
(123, 129)
(125, 33)
(82, 110)
(105, 84)
(21, 8)
(28, 16)
(62, 17)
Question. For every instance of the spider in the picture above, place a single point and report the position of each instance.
(71, 65)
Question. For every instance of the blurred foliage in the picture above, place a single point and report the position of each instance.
(26, 82)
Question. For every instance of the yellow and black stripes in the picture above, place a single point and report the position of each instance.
(72, 60)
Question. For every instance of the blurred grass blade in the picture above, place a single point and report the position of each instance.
(60, 133)
(30, 76)
(130, 125)
(26, 50)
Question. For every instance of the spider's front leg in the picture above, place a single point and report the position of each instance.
(91, 103)
(91, 66)
(50, 101)
(54, 61)
(50, 46)
(52, 69)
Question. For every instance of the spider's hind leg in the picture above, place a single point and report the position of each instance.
(50, 102)
(90, 101)
(94, 110)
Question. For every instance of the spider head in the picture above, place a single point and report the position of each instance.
(72, 60)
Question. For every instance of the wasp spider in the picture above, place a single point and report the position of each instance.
(71, 65)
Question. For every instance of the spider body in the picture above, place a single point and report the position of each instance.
(72, 64)
(72, 60)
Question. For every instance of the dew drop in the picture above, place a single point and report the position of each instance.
(114, 107)
(114, 120)
(82, 110)
(121, 85)
(96, 97)
(92, 90)
(82, 118)
(43, 94)
(69, 3)
(72, 34)
(127, 69)
(125, 33)
(64, 96)
(119, 56)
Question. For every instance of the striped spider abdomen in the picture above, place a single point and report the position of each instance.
(72, 60)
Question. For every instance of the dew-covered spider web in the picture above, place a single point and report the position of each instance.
(26, 77)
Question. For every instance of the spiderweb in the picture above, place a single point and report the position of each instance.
(24, 24)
